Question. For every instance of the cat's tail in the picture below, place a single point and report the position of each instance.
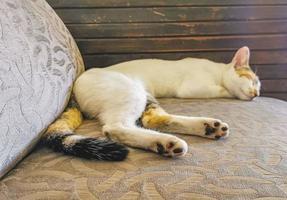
(60, 137)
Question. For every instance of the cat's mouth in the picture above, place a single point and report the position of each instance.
(248, 96)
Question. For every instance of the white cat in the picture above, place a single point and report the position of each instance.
(121, 94)
(194, 78)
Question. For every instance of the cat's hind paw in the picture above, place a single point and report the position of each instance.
(215, 129)
(170, 147)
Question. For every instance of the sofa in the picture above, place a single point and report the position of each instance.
(43, 61)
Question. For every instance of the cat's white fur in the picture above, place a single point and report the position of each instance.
(117, 96)
(191, 77)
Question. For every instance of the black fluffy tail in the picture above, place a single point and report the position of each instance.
(60, 137)
(90, 148)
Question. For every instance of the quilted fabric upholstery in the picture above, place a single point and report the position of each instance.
(38, 62)
(250, 164)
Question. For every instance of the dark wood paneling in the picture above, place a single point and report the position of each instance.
(171, 14)
(153, 3)
(282, 96)
(181, 44)
(113, 31)
(135, 30)
(257, 57)
(279, 85)
(274, 71)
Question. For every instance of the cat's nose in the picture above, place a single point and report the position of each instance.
(255, 93)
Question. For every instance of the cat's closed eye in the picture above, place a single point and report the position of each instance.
(255, 82)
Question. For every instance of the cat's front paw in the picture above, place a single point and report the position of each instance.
(215, 129)
(170, 146)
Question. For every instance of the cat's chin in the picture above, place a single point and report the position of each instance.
(246, 97)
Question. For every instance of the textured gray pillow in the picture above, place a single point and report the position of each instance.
(39, 61)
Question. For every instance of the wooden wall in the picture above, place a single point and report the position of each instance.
(111, 31)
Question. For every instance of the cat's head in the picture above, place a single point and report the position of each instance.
(242, 82)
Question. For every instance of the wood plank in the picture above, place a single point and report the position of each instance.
(271, 71)
(279, 85)
(137, 3)
(257, 57)
(171, 14)
(282, 96)
(176, 29)
(181, 44)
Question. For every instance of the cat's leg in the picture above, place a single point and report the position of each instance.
(119, 124)
(154, 117)
(118, 101)
(212, 91)
(164, 144)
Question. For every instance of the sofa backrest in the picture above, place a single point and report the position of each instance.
(112, 31)
(39, 60)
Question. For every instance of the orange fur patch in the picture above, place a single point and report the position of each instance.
(68, 122)
(155, 117)
(246, 72)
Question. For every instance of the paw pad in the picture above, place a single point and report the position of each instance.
(170, 145)
(178, 150)
(160, 148)
(209, 130)
(215, 129)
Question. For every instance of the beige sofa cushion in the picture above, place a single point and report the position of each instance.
(38, 62)
(250, 164)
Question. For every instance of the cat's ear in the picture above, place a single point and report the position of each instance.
(241, 58)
